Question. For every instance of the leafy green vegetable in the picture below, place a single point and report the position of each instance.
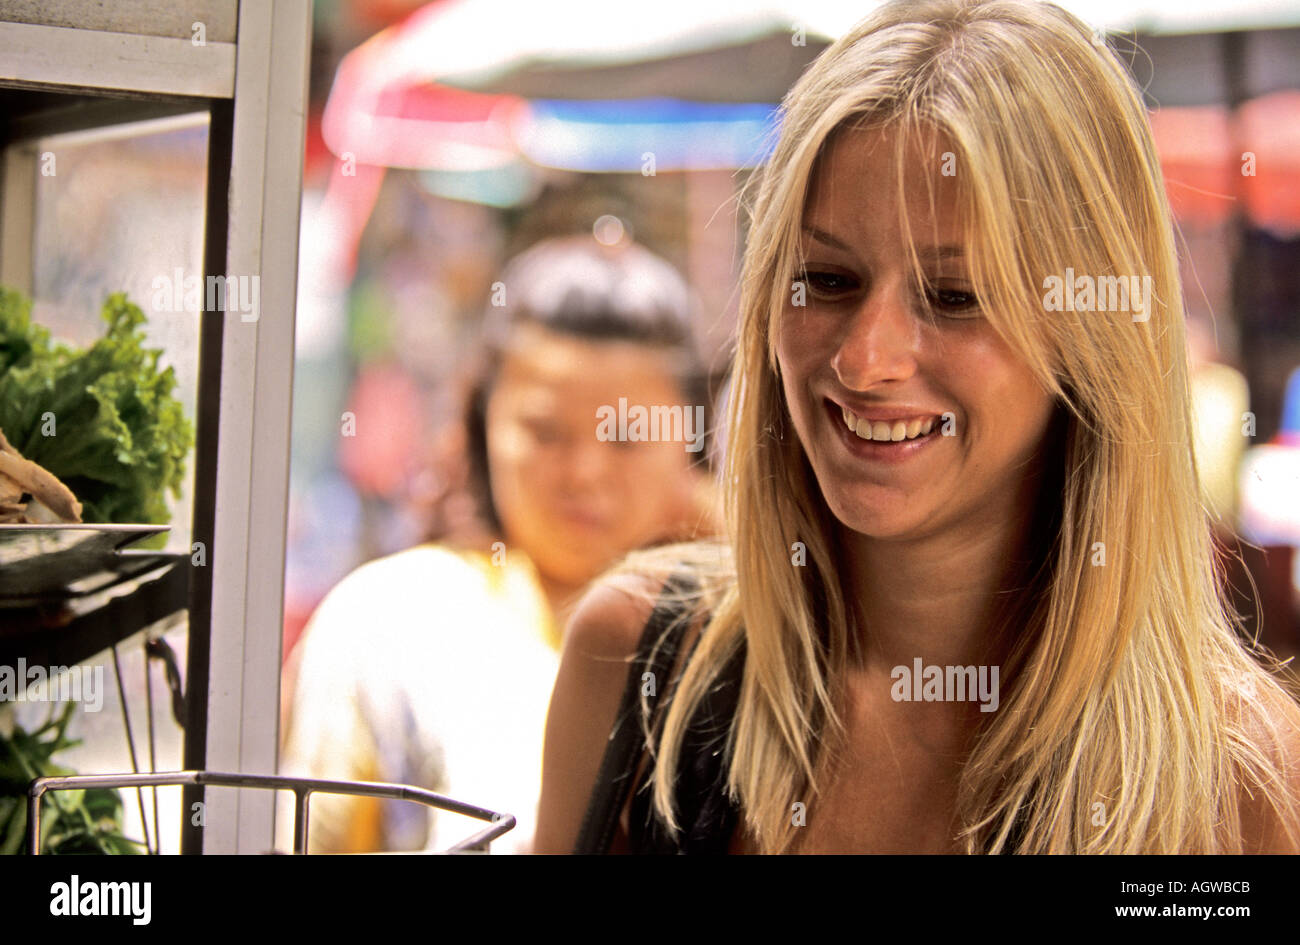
(83, 821)
(121, 438)
(18, 336)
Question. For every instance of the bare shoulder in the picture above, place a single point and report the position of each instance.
(600, 640)
(1274, 727)
(606, 624)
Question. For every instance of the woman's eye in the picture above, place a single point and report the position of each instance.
(954, 303)
(827, 284)
(545, 433)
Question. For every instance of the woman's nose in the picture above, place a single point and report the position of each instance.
(880, 341)
(589, 461)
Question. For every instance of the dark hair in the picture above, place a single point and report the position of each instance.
(578, 287)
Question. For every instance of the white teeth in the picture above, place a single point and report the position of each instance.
(894, 431)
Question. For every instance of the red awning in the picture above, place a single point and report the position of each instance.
(1215, 160)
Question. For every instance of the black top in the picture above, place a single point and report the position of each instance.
(707, 816)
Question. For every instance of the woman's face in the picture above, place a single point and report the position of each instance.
(572, 501)
(861, 351)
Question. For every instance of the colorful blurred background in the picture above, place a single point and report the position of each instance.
(444, 137)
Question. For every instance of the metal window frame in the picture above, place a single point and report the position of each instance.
(245, 576)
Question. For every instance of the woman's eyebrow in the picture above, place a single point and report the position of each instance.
(932, 252)
(941, 252)
(823, 237)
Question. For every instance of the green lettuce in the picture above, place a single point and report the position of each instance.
(120, 438)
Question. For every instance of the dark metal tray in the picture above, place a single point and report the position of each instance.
(41, 561)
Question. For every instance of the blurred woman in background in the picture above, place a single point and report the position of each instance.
(434, 666)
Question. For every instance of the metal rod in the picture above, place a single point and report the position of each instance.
(130, 743)
(479, 841)
(303, 798)
(153, 761)
(34, 819)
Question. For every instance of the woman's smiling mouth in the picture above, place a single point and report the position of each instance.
(889, 434)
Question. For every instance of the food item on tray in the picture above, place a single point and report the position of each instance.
(30, 494)
(100, 421)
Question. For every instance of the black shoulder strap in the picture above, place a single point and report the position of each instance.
(626, 740)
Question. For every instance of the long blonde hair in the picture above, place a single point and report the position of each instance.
(1130, 687)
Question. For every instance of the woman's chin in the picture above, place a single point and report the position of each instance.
(881, 522)
(575, 563)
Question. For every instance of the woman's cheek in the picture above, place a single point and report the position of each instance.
(1008, 408)
(642, 486)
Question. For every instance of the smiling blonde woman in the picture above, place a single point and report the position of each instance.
(934, 466)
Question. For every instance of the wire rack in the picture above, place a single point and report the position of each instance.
(302, 788)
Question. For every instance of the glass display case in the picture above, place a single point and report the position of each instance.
(156, 149)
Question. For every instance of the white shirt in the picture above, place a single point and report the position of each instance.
(431, 668)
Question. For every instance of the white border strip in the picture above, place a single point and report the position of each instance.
(91, 59)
